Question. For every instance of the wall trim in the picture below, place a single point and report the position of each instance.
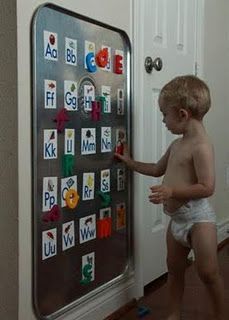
(200, 20)
(103, 304)
(138, 125)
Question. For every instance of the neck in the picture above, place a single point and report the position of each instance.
(193, 128)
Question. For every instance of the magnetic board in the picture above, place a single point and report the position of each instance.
(81, 193)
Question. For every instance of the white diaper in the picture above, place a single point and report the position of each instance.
(187, 215)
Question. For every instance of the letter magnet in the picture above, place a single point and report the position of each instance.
(60, 119)
(88, 268)
(68, 235)
(90, 56)
(71, 198)
(102, 57)
(118, 62)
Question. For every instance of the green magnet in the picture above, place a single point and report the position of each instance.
(102, 100)
(106, 198)
(67, 165)
(87, 273)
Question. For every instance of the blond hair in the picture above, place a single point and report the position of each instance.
(187, 92)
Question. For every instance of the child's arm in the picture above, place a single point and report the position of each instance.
(148, 169)
(203, 159)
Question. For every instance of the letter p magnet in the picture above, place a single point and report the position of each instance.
(49, 193)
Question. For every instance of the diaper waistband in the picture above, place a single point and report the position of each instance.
(192, 207)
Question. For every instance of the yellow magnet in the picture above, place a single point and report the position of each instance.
(72, 198)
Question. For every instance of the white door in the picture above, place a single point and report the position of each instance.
(166, 29)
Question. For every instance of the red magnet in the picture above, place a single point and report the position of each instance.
(120, 142)
(61, 118)
(104, 227)
(102, 57)
(119, 148)
(118, 64)
(96, 110)
(52, 215)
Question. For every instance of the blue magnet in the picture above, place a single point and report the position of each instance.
(90, 62)
(143, 311)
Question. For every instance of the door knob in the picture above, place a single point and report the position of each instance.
(150, 64)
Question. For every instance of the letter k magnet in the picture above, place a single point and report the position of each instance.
(50, 144)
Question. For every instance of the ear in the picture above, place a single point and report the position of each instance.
(184, 114)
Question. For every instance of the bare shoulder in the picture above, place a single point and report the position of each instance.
(175, 142)
(203, 147)
(203, 144)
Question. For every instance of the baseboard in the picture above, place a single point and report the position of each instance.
(123, 310)
(222, 231)
(104, 304)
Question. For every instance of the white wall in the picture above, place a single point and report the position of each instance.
(216, 73)
(116, 13)
(8, 162)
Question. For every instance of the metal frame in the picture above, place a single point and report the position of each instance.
(129, 267)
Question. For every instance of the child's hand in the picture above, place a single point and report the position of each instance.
(160, 193)
(125, 157)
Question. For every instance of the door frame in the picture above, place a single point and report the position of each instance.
(138, 116)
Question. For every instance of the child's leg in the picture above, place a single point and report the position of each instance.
(177, 263)
(204, 243)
